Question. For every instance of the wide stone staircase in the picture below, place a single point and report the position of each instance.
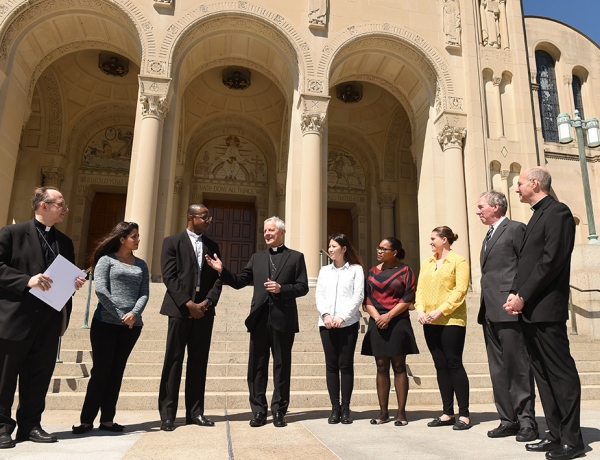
(226, 386)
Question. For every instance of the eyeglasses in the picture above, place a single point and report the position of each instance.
(380, 249)
(208, 220)
(58, 205)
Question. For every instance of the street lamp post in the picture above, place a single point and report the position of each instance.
(593, 133)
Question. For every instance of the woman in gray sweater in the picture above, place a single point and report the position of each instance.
(122, 286)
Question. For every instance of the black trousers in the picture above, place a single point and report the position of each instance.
(557, 380)
(32, 360)
(111, 347)
(446, 344)
(339, 345)
(195, 334)
(510, 371)
(265, 340)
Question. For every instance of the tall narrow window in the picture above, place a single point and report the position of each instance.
(577, 95)
(546, 78)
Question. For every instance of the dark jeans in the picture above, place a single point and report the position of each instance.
(339, 345)
(446, 344)
(111, 347)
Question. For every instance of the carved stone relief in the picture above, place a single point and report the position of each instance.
(451, 21)
(178, 185)
(109, 149)
(317, 14)
(52, 175)
(344, 171)
(494, 24)
(451, 137)
(52, 93)
(312, 123)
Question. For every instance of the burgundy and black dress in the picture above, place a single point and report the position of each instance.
(384, 290)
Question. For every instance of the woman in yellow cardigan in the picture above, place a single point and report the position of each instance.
(442, 310)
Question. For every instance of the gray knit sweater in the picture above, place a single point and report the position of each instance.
(121, 289)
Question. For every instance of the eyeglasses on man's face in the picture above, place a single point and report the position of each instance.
(206, 219)
(380, 249)
(59, 204)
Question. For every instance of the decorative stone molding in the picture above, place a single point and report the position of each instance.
(568, 79)
(451, 137)
(455, 103)
(451, 23)
(351, 140)
(315, 86)
(504, 173)
(28, 12)
(312, 123)
(496, 81)
(386, 200)
(166, 4)
(154, 105)
(52, 175)
(178, 185)
(318, 14)
(280, 192)
(157, 67)
(285, 142)
(495, 55)
(391, 146)
(52, 93)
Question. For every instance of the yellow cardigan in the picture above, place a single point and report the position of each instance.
(444, 289)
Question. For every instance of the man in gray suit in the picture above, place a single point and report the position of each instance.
(510, 370)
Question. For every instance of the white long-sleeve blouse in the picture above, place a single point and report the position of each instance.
(340, 293)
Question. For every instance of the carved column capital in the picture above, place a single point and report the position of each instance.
(451, 137)
(504, 173)
(386, 200)
(52, 175)
(155, 95)
(312, 123)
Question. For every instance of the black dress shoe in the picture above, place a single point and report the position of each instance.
(6, 441)
(279, 420)
(545, 445)
(259, 419)
(439, 422)
(37, 435)
(80, 429)
(167, 425)
(199, 420)
(346, 417)
(565, 452)
(504, 431)
(334, 418)
(527, 434)
(114, 428)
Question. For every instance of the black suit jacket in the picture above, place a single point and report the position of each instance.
(290, 274)
(545, 263)
(179, 268)
(21, 257)
(498, 269)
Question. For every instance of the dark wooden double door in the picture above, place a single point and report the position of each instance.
(108, 209)
(234, 229)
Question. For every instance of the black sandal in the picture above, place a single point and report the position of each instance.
(400, 423)
(80, 429)
(378, 421)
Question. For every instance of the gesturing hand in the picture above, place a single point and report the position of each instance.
(215, 263)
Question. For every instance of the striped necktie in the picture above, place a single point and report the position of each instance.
(488, 237)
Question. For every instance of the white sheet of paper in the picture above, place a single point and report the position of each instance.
(63, 275)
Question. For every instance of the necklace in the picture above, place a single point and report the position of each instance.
(46, 241)
(272, 264)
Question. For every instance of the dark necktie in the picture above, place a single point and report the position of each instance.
(488, 237)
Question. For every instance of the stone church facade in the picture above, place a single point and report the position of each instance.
(372, 117)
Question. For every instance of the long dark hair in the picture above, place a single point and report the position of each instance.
(351, 255)
(112, 241)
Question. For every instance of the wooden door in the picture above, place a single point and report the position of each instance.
(234, 229)
(108, 209)
(339, 221)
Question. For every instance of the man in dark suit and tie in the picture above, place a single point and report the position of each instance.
(510, 370)
(193, 290)
(540, 294)
(279, 277)
(29, 328)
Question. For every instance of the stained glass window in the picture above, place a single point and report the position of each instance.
(577, 95)
(548, 95)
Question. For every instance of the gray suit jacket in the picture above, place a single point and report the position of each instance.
(498, 269)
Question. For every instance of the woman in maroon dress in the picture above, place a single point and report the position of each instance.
(390, 291)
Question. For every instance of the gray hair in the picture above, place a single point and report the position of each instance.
(494, 198)
(278, 222)
(543, 177)
(41, 195)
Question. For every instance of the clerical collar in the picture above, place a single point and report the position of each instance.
(277, 250)
(41, 226)
(538, 204)
(192, 234)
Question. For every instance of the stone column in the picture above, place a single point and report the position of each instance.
(568, 80)
(504, 43)
(145, 161)
(386, 206)
(505, 189)
(281, 201)
(451, 141)
(498, 106)
(312, 195)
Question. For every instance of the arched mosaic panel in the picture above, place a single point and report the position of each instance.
(344, 171)
(230, 158)
(109, 150)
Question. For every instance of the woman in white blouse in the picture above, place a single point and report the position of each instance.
(340, 292)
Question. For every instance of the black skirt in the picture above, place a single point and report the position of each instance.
(398, 339)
